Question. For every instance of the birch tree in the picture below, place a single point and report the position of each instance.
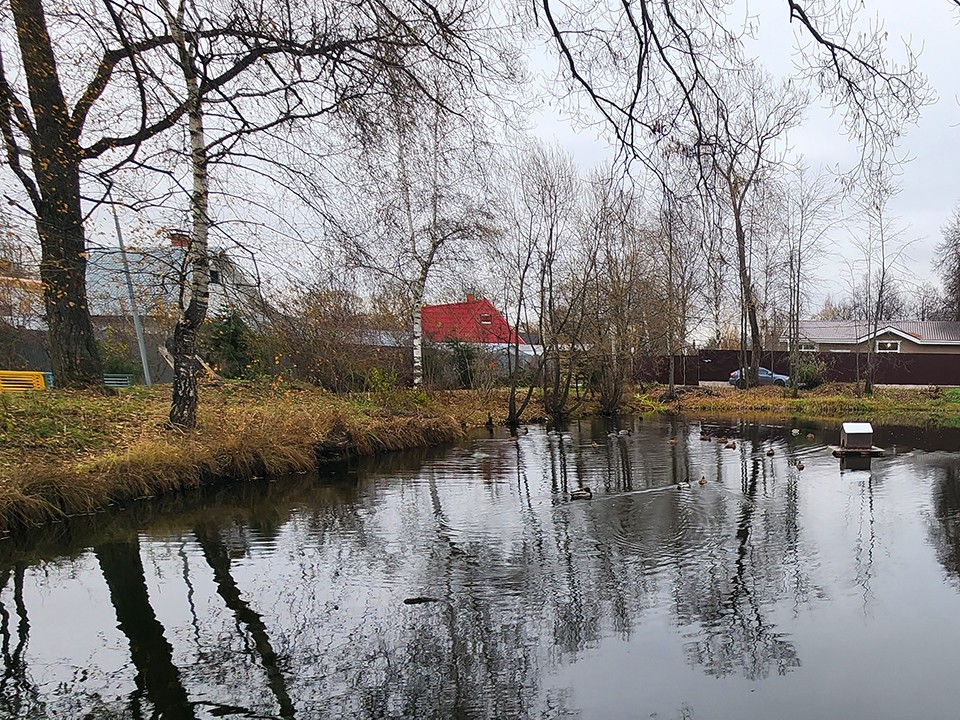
(810, 213)
(193, 310)
(293, 88)
(881, 248)
(423, 202)
(82, 97)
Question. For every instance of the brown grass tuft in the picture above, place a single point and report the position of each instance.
(67, 453)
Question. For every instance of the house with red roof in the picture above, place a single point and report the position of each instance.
(473, 321)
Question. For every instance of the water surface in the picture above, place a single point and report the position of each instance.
(768, 592)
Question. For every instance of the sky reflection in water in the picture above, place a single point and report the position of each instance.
(768, 592)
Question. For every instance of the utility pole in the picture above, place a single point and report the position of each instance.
(137, 327)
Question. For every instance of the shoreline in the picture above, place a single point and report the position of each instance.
(66, 453)
(918, 405)
(69, 453)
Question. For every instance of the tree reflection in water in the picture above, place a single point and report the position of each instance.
(19, 696)
(945, 533)
(286, 599)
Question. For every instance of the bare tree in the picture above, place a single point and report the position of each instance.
(927, 302)
(565, 261)
(649, 67)
(676, 245)
(621, 285)
(739, 159)
(948, 263)
(183, 404)
(428, 202)
(514, 256)
(881, 248)
(548, 257)
(810, 213)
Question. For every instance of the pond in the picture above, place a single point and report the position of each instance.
(465, 582)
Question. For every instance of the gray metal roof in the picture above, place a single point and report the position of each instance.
(155, 275)
(849, 331)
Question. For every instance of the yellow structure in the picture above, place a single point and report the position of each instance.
(20, 380)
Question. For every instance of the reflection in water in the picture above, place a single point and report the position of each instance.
(157, 676)
(218, 558)
(855, 463)
(658, 597)
(18, 692)
(946, 532)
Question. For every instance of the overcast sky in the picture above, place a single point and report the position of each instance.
(930, 187)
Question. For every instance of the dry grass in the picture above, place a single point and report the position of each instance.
(67, 453)
(832, 401)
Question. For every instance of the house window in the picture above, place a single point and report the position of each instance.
(888, 346)
(807, 347)
(214, 277)
(486, 318)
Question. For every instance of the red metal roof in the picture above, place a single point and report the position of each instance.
(474, 321)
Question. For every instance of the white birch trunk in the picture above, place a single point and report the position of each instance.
(418, 345)
(193, 311)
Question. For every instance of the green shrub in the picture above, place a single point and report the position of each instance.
(810, 372)
(951, 395)
(465, 356)
(380, 381)
(229, 344)
(116, 355)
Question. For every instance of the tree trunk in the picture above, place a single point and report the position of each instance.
(612, 376)
(418, 345)
(185, 397)
(73, 348)
(416, 311)
(671, 379)
(55, 156)
(795, 279)
(749, 301)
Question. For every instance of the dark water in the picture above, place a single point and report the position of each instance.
(766, 593)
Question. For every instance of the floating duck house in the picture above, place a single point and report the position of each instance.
(856, 436)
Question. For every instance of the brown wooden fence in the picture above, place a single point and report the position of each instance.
(890, 368)
(657, 369)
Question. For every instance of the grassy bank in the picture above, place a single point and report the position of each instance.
(69, 453)
(834, 401)
(65, 453)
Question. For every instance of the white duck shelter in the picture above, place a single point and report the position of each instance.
(856, 438)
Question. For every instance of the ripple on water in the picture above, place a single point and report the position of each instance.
(661, 527)
(544, 607)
